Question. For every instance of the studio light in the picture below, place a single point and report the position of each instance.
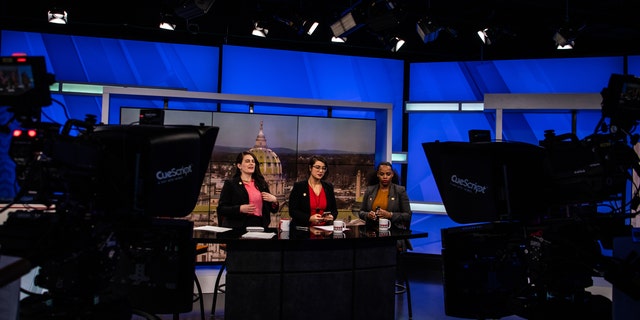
(395, 44)
(564, 39)
(167, 22)
(259, 30)
(339, 39)
(191, 9)
(309, 26)
(346, 25)
(484, 36)
(383, 16)
(57, 16)
(167, 26)
(299, 24)
(427, 30)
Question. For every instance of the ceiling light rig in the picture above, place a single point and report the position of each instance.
(298, 24)
(492, 35)
(338, 39)
(563, 39)
(485, 35)
(350, 20)
(347, 24)
(57, 16)
(191, 9)
(395, 43)
(167, 22)
(566, 35)
(260, 29)
(309, 26)
(427, 30)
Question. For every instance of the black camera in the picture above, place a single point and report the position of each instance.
(539, 215)
(107, 237)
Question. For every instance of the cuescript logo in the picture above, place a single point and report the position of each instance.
(173, 174)
(467, 185)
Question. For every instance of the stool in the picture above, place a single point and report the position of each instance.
(217, 286)
(402, 283)
(200, 249)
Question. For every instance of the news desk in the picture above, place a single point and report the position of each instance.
(311, 274)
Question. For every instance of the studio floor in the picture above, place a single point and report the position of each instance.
(425, 274)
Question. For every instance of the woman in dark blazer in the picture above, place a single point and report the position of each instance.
(245, 199)
(311, 198)
(385, 198)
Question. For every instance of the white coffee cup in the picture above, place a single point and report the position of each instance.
(338, 226)
(384, 224)
(284, 225)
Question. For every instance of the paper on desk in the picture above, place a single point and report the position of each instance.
(258, 235)
(327, 228)
(212, 228)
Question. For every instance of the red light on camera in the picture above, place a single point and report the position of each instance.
(31, 133)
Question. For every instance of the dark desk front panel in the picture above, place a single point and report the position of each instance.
(344, 279)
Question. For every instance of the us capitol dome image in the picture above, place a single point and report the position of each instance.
(270, 164)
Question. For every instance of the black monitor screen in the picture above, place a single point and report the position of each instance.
(24, 82)
(153, 170)
(487, 181)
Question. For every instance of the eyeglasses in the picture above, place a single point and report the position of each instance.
(320, 168)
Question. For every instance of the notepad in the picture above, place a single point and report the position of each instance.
(212, 228)
(258, 235)
(328, 228)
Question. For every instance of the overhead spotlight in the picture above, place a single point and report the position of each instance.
(338, 39)
(299, 24)
(427, 30)
(57, 16)
(190, 9)
(167, 22)
(564, 38)
(383, 16)
(309, 26)
(484, 36)
(347, 24)
(167, 26)
(260, 30)
(395, 44)
(390, 4)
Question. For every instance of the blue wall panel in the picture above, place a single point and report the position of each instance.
(469, 81)
(119, 62)
(279, 73)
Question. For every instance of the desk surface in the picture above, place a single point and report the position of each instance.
(313, 233)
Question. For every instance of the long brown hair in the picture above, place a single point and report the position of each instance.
(257, 176)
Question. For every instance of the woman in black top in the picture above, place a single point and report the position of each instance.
(312, 197)
(245, 199)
